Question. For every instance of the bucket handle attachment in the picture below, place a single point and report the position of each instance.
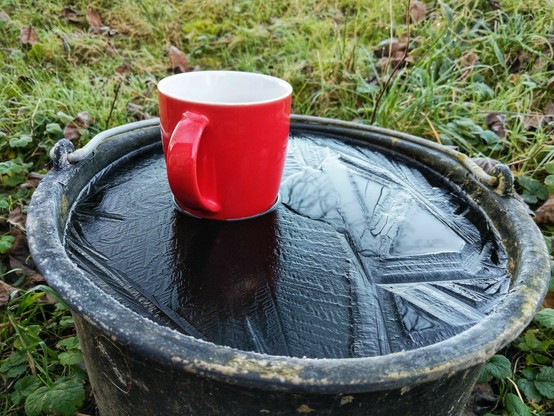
(500, 179)
(65, 156)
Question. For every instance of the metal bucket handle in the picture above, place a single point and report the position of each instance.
(500, 179)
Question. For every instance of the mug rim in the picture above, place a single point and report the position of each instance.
(163, 90)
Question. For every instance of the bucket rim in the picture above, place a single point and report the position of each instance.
(472, 347)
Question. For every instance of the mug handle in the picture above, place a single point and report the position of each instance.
(182, 161)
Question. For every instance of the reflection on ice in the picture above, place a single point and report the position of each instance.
(368, 254)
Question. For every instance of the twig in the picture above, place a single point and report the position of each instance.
(391, 35)
(396, 67)
(116, 95)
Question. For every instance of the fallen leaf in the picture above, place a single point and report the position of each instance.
(110, 49)
(32, 277)
(73, 129)
(545, 213)
(485, 163)
(5, 292)
(418, 11)
(495, 5)
(17, 218)
(536, 121)
(178, 60)
(541, 64)
(33, 179)
(550, 84)
(549, 300)
(390, 47)
(28, 36)
(497, 123)
(48, 299)
(20, 251)
(469, 59)
(4, 17)
(19, 247)
(72, 15)
(137, 111)
(520, 62)
(93, 19)
(393, 53)
(548, 109)
(482, 398)
(135, 107)
(533, 121)
(150, 86)
(123, 69)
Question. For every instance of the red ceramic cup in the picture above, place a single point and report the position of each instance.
(224, 136)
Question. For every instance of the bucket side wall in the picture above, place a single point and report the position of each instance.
(127, 384)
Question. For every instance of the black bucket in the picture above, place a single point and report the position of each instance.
(147, 357)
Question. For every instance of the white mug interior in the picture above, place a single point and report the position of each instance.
(224, 87)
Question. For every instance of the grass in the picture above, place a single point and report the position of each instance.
(466, 60)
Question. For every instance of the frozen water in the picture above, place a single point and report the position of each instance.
(368, 254)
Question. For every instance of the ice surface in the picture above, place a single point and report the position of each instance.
(368, 254)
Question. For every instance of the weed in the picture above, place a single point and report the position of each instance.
(41, 368)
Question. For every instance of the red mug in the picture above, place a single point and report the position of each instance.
(224, 137)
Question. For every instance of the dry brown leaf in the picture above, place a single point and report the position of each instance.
(533, 121)
(178, 60)
(73, 129)
(391, 47)
(20, 248)
(136, 106)
(418, 11)
(28, 36)
(392, 53)
(48, 299)
(550, 84)
(17, 218)
(20, 258)
(137, 111)
(93, 19)
(33, 179)
(548, 109)
(5, 292)
(393, 62)
(545, 213)
(497, 123)
(72, 15)
(536, 121)
(123, 69)
(520, 62)
(110, 49)
(150, 86)
(485, 163)
(32, 277)
(469, 59)
(549, 300)
(482, 396)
